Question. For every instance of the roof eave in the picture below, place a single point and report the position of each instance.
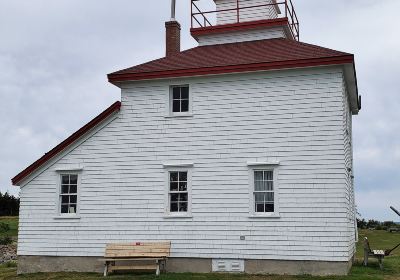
(116, 78)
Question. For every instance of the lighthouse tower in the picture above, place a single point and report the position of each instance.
(244, 20)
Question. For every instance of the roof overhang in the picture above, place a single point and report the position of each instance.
(116, 78)
(66, 144)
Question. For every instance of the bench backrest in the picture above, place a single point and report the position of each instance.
(138, 249)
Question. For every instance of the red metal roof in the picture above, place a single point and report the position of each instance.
(235, 57)
(66, 143)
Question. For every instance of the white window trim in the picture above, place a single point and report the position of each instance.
(272, 166)
(171, 114)
(59, 173)
(167, 213)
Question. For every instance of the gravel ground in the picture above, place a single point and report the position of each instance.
(8, 253)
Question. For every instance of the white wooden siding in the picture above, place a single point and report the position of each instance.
(294, 117)
(249, 14)
(241, 36)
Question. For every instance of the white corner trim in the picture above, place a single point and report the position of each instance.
(69, 168)
(262, 163)
(178, 164)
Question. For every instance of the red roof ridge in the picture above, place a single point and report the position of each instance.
(66, 143)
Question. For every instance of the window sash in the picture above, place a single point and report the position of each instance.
(68, 197)
(179, 205)
(263, 187)
(180, 99)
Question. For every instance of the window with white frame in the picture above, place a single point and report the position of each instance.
(178, 193)
(179, 99)
(264, 192)
(69, 194)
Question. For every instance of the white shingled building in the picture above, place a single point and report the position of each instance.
(238, 151)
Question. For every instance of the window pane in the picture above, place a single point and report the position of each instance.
(73, 179)
(183, 197)
(72, 189)
(173, 176)
(184, 92)
(65, 179)
(72, 208)
(269, 208)
(258, 185)
(182, 176)
(64, 208)
(258, 175)
(64, 189)
(268, 175)
(185, 106)
(269, 197)
(176, 106)
(268, 186)
(176, 93)
(65, 199)
(259, 197)
(182, 186)
(72, 199)
(259, 207)
(174, 186)
(174, 197)
(183, 207)
(174, 207)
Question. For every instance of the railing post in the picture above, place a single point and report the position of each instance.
(191, 13)
(237, 11)
(286, 8)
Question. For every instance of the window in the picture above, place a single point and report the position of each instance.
(178, 191)
(179, 99)
(69, 194)
(264, 195)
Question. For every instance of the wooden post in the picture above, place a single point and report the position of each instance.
(105, 269)
(366, 251)
(158, 267)
(380, 260)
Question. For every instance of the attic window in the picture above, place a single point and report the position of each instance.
(179, 99)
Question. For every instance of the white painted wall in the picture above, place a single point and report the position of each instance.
(242, 36)
(295, 117)
(250, 14)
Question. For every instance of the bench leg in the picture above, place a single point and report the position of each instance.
(158, 267)
(105, 269)
(380, 260)
(366, 254)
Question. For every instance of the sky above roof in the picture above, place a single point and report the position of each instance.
(54, 57)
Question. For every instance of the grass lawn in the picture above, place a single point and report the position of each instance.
(13, 223)
(378, 240)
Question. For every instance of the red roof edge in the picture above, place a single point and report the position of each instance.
(313, 62)
(199, 31)
(66, 143)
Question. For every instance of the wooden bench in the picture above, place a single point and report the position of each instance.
(378, 254)
(146, 255)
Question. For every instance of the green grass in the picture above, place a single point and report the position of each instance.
(13, 223)
(378, 240)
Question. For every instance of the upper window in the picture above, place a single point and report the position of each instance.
(179, 99)
(69, 194)
(178, 191)
(264, 193)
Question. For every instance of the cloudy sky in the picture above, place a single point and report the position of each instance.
(55, 54)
